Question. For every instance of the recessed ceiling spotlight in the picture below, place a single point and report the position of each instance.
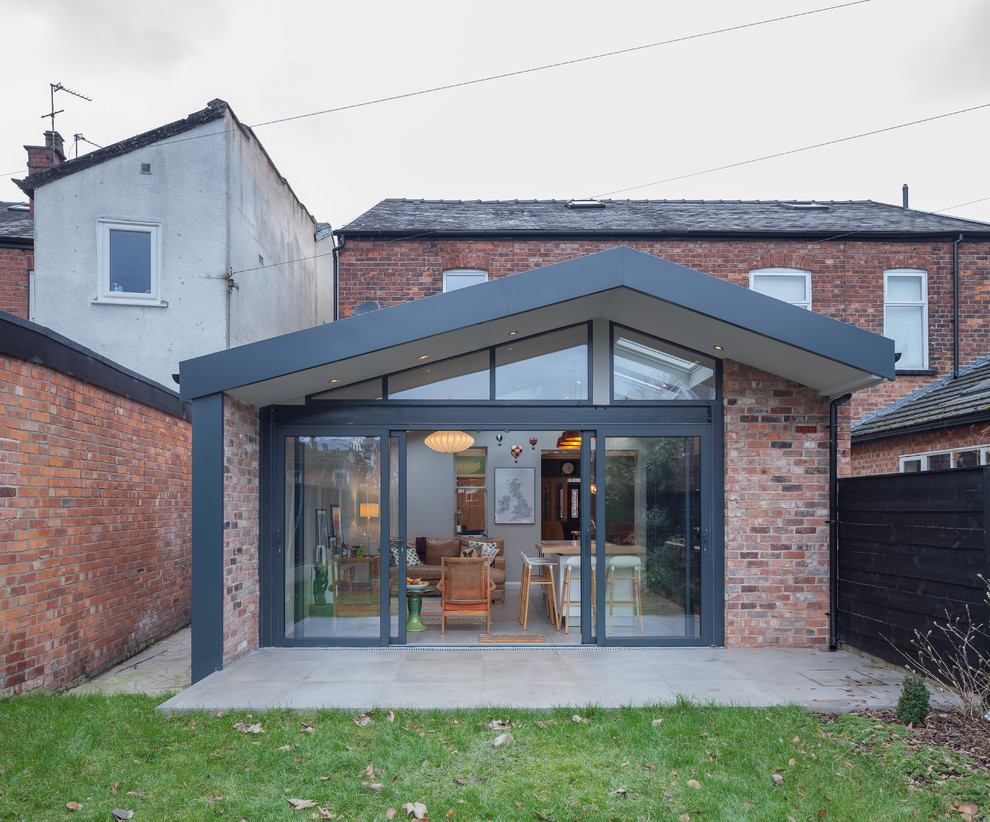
(423, 357)
(335, 379)
(718, 348)
(513, 333)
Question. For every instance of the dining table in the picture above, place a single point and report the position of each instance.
(572, 547)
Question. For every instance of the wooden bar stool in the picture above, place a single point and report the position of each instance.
(624, 568)
(544, 577)
(571, 571)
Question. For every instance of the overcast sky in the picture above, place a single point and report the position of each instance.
(604, 127)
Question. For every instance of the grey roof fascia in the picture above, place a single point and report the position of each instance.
(529, 291)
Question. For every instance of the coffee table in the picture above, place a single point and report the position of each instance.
(414, 595)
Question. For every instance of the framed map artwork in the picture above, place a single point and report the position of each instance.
(515, 496)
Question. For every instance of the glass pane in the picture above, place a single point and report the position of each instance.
(460, 378)
(645, 369)
(452, 280)
(130, 261)
(396, 539)
(911, 466)
(904, 288)
(936, 462)
(368, 390)
(967, 459)
(550, 367)
(652, 537)
(791, 288)
(905, 325)
(332, 515)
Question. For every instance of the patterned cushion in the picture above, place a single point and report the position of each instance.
(488, 549)
(412, 558)
(470, 551)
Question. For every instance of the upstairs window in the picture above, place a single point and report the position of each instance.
(129, 256)
(788, 284)
(455, 278)
(905, 316)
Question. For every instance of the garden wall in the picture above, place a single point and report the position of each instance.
(94, 510)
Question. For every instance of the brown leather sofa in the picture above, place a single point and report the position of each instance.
(437, 547)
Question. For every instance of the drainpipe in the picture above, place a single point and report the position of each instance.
(336, 277)
(955, 306)
(833, 520)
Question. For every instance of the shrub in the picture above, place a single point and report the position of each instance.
(913, 705)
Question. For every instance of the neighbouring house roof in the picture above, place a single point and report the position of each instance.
(691, 309)
(16, 224)
(945, 403)
(215, 110)
(632, 218)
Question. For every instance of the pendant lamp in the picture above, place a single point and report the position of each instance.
(449, 442)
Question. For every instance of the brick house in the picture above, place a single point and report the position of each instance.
(16, 257)
(94, 506)
(658, 422)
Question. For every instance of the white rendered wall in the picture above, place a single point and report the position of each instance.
(185, 193)
(283, 285)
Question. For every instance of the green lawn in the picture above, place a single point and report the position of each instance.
(666, 762)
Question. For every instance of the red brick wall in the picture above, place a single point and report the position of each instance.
(882, 456)
(15, 265)
(847, 280)
(241, 529)
(776, 511)
(94, 527)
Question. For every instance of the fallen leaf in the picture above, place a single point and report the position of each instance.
(778, 779)
(301, 804)
(113, 790)
(503, 739)
(372, 786)
(363, 720)
(621, 792)
(822, 813)
(684, 817)
(577, 718)
(74, 806)
(694, 783)
(217, 797)
(390, 813)
(221, 714)
(390, 717)
(307, 728)
(119, 813)
(287, 748)
(499, 725)
(790, 762)
(449, 813)
(417, 809)
(249, 729)
(656, 722)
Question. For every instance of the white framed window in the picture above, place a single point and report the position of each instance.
(792, 285)
(129, 263)
(454, 278)
(969, 457)
(905, 316)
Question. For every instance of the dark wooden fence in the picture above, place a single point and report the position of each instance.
(911, 547)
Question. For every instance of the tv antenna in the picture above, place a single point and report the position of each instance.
(59, 87)
(79, 138)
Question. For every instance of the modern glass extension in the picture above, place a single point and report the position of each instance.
(598, 452)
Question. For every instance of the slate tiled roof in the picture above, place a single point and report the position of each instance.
(215, 110)
(942, 404)
(16, 223)
(652, 217)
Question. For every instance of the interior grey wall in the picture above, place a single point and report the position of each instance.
(430, 497)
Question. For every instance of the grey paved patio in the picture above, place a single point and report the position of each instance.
(541, 678)
(533, 677)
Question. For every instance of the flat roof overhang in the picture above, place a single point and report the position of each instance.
(669, 301)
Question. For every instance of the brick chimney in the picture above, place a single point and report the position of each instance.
(50, 154)
(42, 158)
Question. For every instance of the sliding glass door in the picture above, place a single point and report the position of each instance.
(651, 579)
(334, 512)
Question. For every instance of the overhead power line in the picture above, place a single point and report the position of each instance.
(794, 151)
(560, 64)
